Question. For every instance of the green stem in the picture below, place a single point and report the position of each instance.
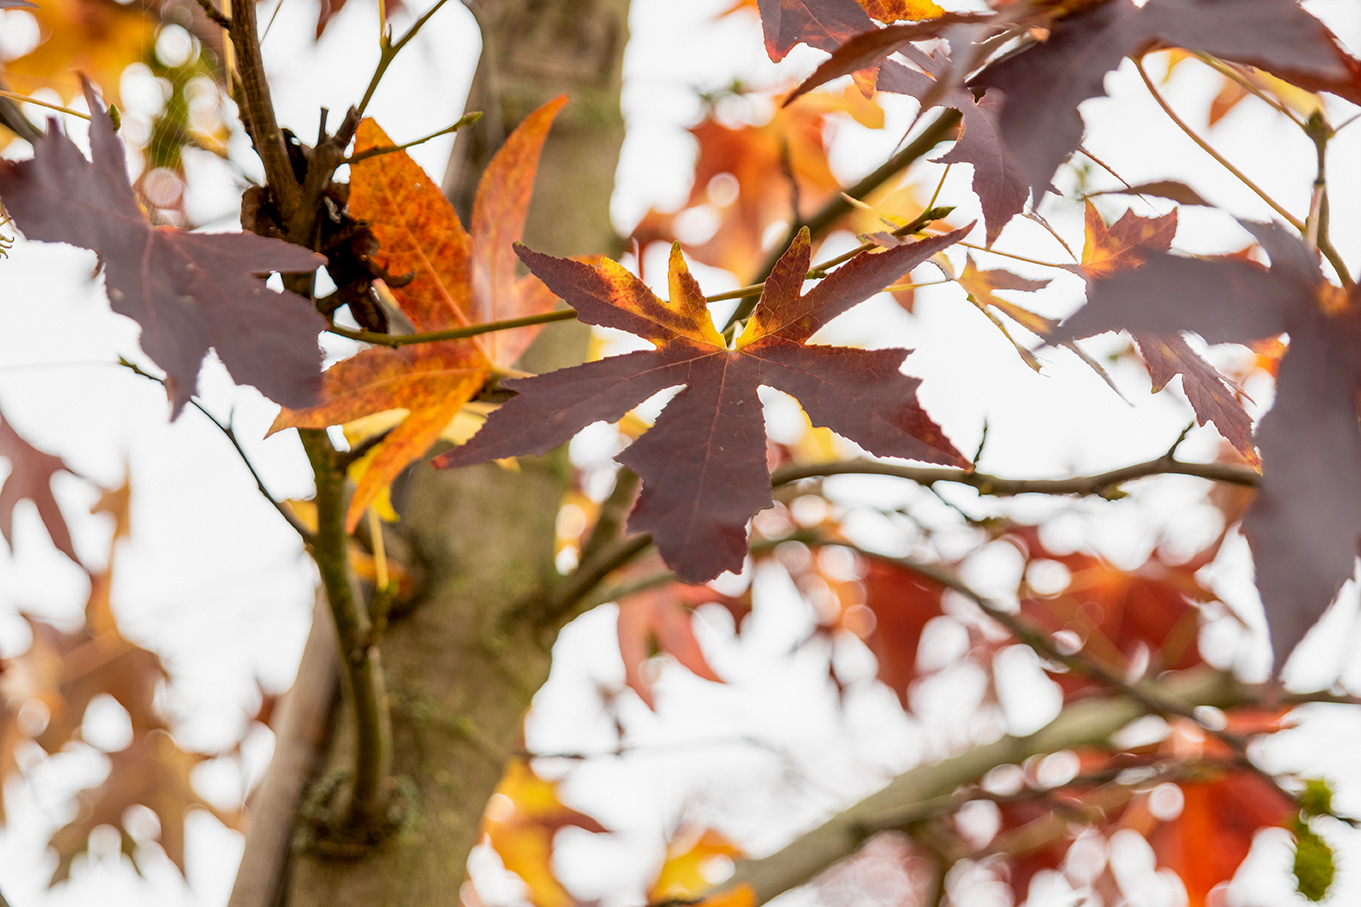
(473, 330)
(466, 120)
(358, 655)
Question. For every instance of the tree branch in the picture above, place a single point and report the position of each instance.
(257, 110)
(1103, 484)
(370, 792)
(1086, 722)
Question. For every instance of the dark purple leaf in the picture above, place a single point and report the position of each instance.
(188, 291)
(703, 464)
(824, 24)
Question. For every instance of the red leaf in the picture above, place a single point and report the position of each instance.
(1128, 244)
(998, 180)
(823, 24)
(1044, 84)
(188, 291)
(1305, 523)
(1210, 839)
(30, 477)
(903, 602)
(663, 617)
(704, 462)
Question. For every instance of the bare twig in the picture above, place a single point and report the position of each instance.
(466, 120)
(298, 527)
(389, 51)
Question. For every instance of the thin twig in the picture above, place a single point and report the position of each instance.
(1205, 146)
(298, 527)
(1320, 132)
(466, 120)
(389, 51)
(1033, 261)
(936, 132)
(1234, 75)
(489, 327)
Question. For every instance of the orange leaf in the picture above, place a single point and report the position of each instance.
(662, 617)
(1126, 244)
(457, 280)
(520, 821)
(99, 38)
(898, 10)
(682, 875)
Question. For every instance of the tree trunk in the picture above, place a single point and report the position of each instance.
(459, 674)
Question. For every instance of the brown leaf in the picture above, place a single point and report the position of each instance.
(30, 478)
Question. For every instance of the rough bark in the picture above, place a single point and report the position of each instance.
(459, 673)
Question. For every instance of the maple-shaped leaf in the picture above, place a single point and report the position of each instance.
(662, 619)
(188, 291)
(521, 819)
(99, 38)
(703, 463)
(682, 875)
(1127, 244)
(457, 280)
(824, 24)
(1043, 84)
(1305, 523)
(998, 179)
(153, 772)
(30, 478)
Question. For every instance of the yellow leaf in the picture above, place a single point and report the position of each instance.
(682, 875)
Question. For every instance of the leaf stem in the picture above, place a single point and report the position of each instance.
(466, 120)
(1205, 146)
(1320, 133)
(15, 96)
(993, 251)
(472, 330)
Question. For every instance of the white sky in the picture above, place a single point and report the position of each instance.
(216, 583)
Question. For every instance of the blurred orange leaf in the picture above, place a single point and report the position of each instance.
(682, 874)
(99, 38)
(520, 821)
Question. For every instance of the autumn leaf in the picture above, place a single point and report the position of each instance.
(662, 617)
(823, 24)
(99, 38)
(1172, 190)
(899, 10)
(520, 821)
(682, 874)
(980, 286)
(749, 173)
(1044, 84)
(1122, 616)
(998, 179)
(703, 463)
(30, 478)
(1305, 523)
(902, 602)
(188, 291)
(457, 280)
(1127, 244)
(153, 772)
